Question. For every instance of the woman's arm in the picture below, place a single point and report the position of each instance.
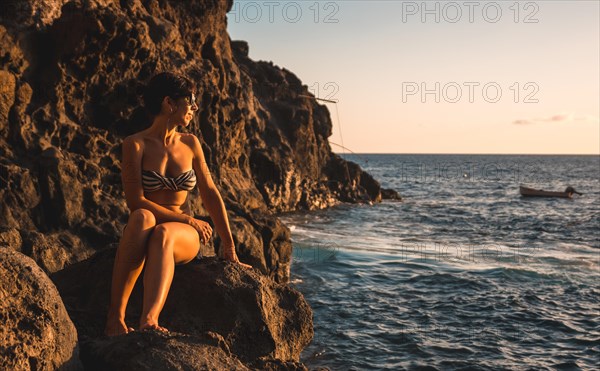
(131, 176)
(213, 203)
(211, 198)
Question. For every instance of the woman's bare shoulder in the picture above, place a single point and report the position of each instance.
(135, 140)
(189, 139)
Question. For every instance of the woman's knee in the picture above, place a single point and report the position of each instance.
(161, 236)
(143, 217)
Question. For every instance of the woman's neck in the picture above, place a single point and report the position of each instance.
(162, 130)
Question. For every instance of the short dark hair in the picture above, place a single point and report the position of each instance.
(166, 84)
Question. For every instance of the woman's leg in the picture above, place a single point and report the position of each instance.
(128, 265)
(170, 243)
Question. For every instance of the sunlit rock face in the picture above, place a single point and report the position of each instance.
(71, 77)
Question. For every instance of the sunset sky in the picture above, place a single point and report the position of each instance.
(377, 57)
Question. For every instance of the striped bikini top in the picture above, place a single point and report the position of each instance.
(153, 181)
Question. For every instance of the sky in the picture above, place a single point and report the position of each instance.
(497, 77)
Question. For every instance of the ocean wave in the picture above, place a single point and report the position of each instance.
(464, 273)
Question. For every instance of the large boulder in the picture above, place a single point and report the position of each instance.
(258, 319)
(151, 350)
(36, 331)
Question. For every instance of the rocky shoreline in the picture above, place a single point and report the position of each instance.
(70, 77)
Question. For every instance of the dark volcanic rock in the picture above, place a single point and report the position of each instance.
(36, 331)
(350, 183)
(257, 317)
(71, 74)
(290, 157)
(53, 251)
(390, 194)
(151, 350)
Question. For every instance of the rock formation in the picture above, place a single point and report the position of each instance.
(71, 77)
(36, 332)
(71, 74)
(258, 320)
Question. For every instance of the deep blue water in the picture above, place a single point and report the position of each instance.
(463, 274)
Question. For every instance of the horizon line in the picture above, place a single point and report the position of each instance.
(483, 154)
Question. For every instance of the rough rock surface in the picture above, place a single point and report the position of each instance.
(36, 331)
(259, 320)
(151, 350)
(299, 171)
(71, 74)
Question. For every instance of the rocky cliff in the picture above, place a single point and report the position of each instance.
(71, 77)
(71, 74)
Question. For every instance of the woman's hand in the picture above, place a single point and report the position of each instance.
(229, 254)
(204, 229)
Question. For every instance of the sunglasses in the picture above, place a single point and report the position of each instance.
(190, 100)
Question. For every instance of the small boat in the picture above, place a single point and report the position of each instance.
(530, 192)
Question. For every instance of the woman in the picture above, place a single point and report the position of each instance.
(159, 167)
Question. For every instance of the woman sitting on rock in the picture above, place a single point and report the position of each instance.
(159, 167)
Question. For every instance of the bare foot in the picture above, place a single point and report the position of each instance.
(152, 325)
(116, 327)
(244, 265)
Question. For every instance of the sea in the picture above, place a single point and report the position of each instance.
(462, 274)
